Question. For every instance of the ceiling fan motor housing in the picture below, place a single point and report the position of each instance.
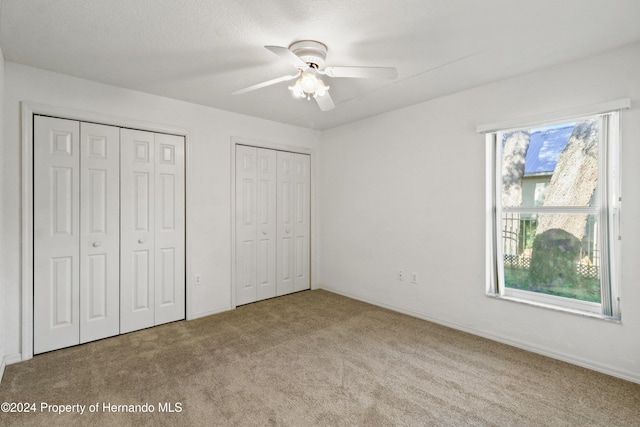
(311, 52)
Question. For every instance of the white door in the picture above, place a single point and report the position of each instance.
(56, 230)
(99, 231)
(246, 228)
(294, 186)
(286, 223)
(272, 223)
(152, 229)
(255, 224)
(137, 203)
(302, 217)
(109, 231)
(266, 224)
(169, 229)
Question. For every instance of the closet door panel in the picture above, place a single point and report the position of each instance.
(272, 223)
(100, 231)
(286, 232)
(56, 233)
(246, 226)
(137, 245)
(302, 222)
(266, 224)
(169, 229)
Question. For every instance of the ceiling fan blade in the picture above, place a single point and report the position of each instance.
(325, 102)
(362, 72)
(289, 56)
(265, 84)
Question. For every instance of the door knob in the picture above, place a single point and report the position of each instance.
(96, 244)
(264, 232)
(140, 240)
(286, 231)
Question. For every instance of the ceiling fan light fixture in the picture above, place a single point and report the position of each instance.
(297, 90)
(308, 57)
(308, 85)
(309, 81)
(322, 89)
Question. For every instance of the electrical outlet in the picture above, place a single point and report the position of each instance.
(196, 280)
(414, 277)
(400, 275)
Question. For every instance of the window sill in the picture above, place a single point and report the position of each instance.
(555, 308)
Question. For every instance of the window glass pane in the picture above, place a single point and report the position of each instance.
(556, 254)
(551, 166)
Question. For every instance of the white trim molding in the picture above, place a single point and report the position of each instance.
(199, 314)
(558, 116)
(28, 110)
(9, 359)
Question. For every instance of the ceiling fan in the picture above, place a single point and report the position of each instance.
(308, 56)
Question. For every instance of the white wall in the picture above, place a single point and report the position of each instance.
(209, 216)
(406, 190)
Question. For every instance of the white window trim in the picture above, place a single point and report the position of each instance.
(551, 118)
(613, 202)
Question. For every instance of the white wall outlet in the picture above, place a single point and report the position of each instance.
(414, 277)
(196, 280)
(400, 275)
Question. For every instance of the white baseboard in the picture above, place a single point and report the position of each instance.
(625, 375)
(8, 360)
(200, 314)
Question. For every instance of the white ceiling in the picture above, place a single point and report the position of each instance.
(202, 50)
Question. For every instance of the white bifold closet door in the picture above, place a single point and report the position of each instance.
(255, 224)
(99, 231)
(272, 223)
(152, 276)
(76, 232)
(109, 231)
(293, 222)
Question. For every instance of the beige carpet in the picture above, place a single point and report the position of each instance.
(314, 358)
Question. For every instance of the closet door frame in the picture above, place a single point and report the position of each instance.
(28, 111)
(278, 147)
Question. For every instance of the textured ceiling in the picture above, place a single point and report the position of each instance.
(202, 50)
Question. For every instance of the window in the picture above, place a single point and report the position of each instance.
(554, 212)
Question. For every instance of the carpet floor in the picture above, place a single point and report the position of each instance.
(307, 359)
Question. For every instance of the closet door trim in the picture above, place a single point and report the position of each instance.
(28, 111)
(235, 141)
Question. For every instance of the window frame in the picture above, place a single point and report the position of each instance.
(608, 210)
